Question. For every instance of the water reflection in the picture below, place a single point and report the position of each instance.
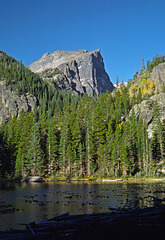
(22, 203)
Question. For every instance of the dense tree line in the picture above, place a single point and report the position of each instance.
(81, 137)
(96, 137)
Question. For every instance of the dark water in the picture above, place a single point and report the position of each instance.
(23, 203)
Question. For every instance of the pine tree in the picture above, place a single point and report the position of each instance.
(78, 140)
(87, 105)
(132, 155)
(43, 128)
(88, 145)
(116, 151)
(161, 135)
(140, 144)
(69, 157)
(98, 133)
(103, 160)
(124, 163)
(125, 100)
(35, 158)
(139, 96)
(117, 81)
(19, 165)
(157, 146)
(63, 143)
(53, 146)
(12, 128)
(23, 138)
(5, 170)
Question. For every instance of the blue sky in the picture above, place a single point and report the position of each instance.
(124, 30)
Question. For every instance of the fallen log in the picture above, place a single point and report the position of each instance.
(31, 229)
(123, 224)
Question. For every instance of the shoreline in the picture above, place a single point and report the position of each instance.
(91, 180)
(106, 180)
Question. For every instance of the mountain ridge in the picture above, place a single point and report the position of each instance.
(78, 71)
(60, 57)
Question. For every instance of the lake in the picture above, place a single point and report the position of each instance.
(27, 202)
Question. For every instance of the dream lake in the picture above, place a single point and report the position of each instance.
(22, 203)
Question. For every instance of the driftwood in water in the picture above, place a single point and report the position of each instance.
(134, 224)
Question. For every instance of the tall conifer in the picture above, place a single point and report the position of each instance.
(35, 158)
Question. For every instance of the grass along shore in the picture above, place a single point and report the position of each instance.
(106, 180)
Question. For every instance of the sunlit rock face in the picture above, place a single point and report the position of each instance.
(145, 110)
(76, 71)
(158, 77)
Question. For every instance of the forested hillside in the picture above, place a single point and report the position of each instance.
(77, 137)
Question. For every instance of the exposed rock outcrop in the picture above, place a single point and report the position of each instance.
(145, 110)
(76, 71)
(11, 104)
(158, 77)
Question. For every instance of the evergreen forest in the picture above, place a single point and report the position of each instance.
(82, 137)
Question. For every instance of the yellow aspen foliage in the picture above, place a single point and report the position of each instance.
(144, 91)
(119, 90)
(147, 87)
(132, 91)
(121, 125)
(150, 84)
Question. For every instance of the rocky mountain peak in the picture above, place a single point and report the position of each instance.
(76, 71)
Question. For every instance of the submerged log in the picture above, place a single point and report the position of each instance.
(123, 224)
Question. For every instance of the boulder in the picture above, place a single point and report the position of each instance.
(34, 179)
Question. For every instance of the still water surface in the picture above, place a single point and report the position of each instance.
(25, 202)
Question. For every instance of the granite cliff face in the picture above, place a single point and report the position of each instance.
(11, 104)
(145, 110)
(76, 71)
(158, 76)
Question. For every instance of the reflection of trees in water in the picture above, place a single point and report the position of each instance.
(43, 201)
(7, 186)
(141, 194)
(145, 202)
